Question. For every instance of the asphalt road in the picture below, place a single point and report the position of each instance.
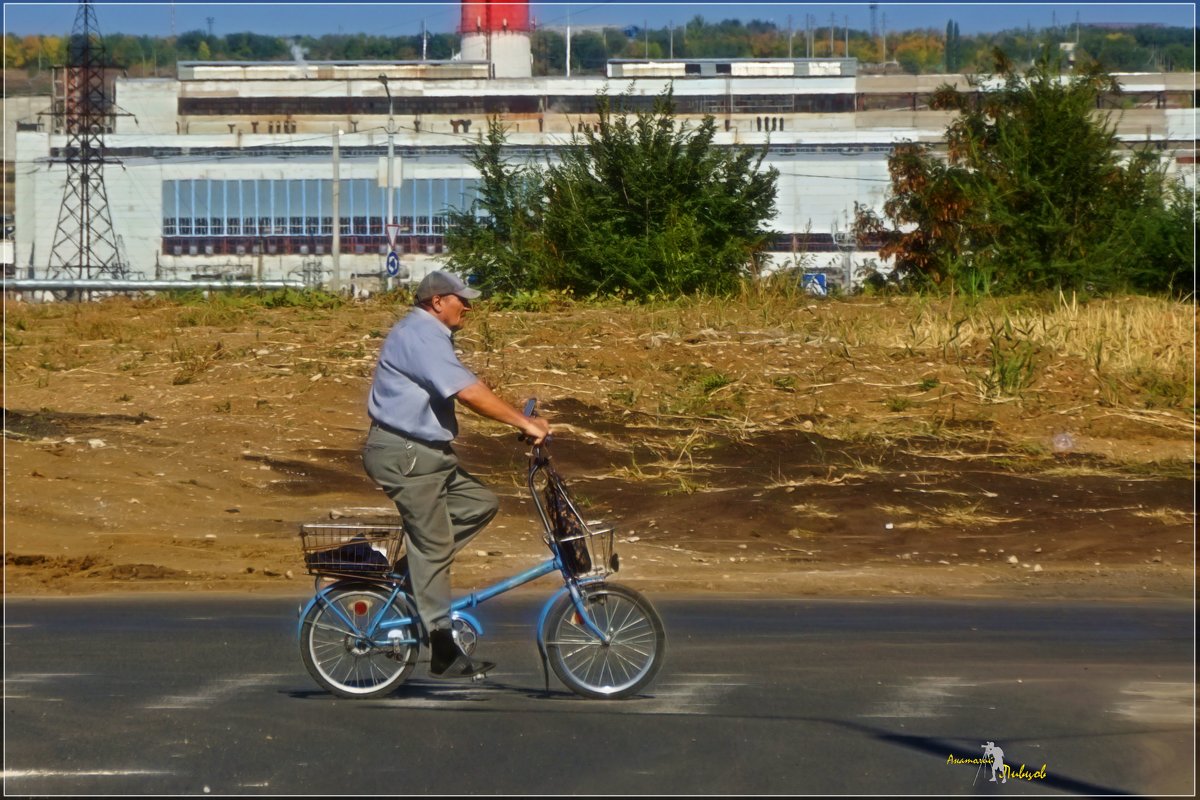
(197, 694)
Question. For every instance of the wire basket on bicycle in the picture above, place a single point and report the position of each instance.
(351, 550)
(586, 550)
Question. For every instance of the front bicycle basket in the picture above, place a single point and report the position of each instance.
(352, 550)
(586, 550)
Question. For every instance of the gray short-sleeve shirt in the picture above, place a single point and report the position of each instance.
(416, 379)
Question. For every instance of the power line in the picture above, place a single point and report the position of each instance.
(85, 244)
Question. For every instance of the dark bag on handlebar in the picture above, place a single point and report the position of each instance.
(569, 531)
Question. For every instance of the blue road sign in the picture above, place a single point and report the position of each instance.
(814, 283)
(393, 264)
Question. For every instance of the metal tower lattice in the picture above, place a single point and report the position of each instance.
(85, 245)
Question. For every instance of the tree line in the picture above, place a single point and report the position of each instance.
(1139, 48)
(1033, 192)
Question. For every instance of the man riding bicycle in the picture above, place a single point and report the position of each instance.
(408, 452)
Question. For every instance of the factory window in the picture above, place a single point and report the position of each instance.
(170, 205)
(286, 210)
(243, 108)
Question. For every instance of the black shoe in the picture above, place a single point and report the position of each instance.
(447, 660)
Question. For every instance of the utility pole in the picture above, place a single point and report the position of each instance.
(846, 31)
(335, 283)
(832, 23)
(789, 35)
(210, 21)
(391, 159)
(671, 39)
(424, 40)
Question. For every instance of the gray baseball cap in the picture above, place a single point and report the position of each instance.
(438, 282)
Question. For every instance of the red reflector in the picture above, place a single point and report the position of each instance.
(360, 607)
(575, 618)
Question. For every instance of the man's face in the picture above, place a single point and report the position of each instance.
(450, 309)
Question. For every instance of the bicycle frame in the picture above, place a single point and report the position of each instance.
(539, 461)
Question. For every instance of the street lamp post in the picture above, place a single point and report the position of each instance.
(391, 160)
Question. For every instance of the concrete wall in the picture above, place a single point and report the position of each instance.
(16, 109)
(511, 54)
(21, 109)
(151, 104)
(817, 191)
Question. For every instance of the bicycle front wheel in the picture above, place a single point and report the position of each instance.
(342, 658)
(593, 668)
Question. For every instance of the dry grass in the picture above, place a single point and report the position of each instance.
(919, 372)
(832, 478)
(813, 510)
(1167, 516)
(967, 515)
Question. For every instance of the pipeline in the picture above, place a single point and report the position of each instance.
(99, 285)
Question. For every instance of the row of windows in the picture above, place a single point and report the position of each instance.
(817, 243)
(297, 245)
(512, 104)
(305, 207)
(586, 104)
(298, 226)
(410, 242)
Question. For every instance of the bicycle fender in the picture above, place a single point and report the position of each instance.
(312, 602)
(542, 618)
(308, 607)
(546, 610)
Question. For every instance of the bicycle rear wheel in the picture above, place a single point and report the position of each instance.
(586, 664)
(342, 659)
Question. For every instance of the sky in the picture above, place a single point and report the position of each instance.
(398, 19)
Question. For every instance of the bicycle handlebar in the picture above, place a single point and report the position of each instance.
(530, 410)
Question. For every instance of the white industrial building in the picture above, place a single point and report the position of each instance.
(227, 171)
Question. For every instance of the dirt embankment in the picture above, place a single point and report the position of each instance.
(857, 448)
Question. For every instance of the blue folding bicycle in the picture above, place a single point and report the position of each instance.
(360, 636)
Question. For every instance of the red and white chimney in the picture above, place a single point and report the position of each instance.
(499, 34)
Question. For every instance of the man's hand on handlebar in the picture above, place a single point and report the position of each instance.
(535, 430)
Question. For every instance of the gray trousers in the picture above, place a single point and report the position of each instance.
(442, 505)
